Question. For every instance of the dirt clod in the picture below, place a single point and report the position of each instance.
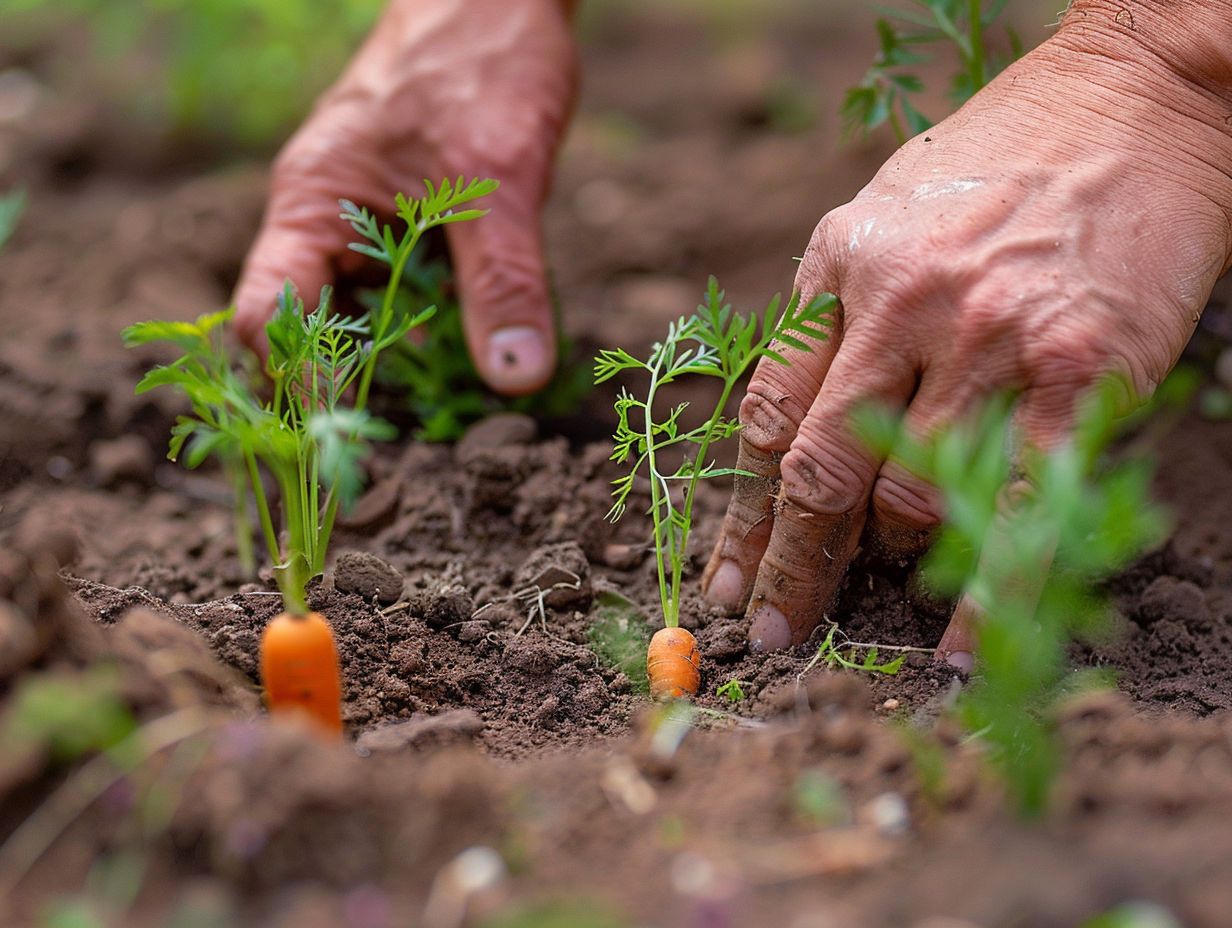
(127, 458)
(366, 575)
(503, 430)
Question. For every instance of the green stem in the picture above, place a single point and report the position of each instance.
(327, 529)
(699, 462)
(670, 613)
(975, 28)
(387, 311)
(291, 579)
(267, 524)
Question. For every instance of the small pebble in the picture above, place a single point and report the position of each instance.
(890, 704)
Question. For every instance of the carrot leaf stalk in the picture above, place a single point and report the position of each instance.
(714, 342)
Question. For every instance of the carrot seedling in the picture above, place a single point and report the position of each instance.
(884, 94)
(309, 431)
(713, 342)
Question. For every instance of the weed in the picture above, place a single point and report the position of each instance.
(884, 94)
(732, 690)
(831, 652)
(306, 435)
(1030, 559)
(1134, 915)
(12, 205)
(713, 342)
(618, 636)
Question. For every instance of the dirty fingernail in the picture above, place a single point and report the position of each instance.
(963, 660)
(517, 358)
(769, 630)
(726, 587)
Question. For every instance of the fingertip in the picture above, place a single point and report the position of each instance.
(725, 586)
(517, 359)
(961, 660)
(769, 630)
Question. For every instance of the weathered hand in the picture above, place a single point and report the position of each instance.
(441, 88)
(1069, 221)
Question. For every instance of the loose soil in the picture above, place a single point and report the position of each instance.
(473, 576)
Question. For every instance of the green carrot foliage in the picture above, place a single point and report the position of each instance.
(305, 431)
(714, 342)
(1032, 560)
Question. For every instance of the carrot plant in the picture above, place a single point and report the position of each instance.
(714, 342)
(884, 94)
(1031, 560)
(309, 431)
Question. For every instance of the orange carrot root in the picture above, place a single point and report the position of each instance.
(673, 664)
(299, 669)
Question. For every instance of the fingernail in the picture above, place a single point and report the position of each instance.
(963, 660)
(769, 630)
(726, 587)
(517, 358)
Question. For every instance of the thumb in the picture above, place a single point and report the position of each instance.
(506, 312)
(299, 237)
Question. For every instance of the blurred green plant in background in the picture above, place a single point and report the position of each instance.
(242, 70)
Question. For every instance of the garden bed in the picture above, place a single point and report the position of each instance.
(483, 717)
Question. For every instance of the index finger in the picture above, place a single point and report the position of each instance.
(826, 479)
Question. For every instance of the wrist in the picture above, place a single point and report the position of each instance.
(1157, 79)
(1192, 38)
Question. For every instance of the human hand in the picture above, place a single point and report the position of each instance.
(441, 88)
(1068, 222)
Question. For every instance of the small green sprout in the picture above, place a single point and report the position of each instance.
(305, 433)
(819, 799)
(732, 690)
(1030, 561)
(884, 94)
(12, 205)
(832, 653)
(618, 636)
(713, 342)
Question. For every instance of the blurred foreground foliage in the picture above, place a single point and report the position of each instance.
(241, 70)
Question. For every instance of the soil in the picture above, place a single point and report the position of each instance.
(494, 763)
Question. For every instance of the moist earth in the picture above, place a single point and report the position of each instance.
(495, 762)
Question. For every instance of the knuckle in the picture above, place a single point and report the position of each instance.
(1066, 360)
(818, 271)
(906, 501)
(826, 479)
(511, 282)
(771, 413)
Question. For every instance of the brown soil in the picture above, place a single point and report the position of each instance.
(476, 720)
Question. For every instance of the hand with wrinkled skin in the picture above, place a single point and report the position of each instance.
(481, 88)
(1070, 220)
